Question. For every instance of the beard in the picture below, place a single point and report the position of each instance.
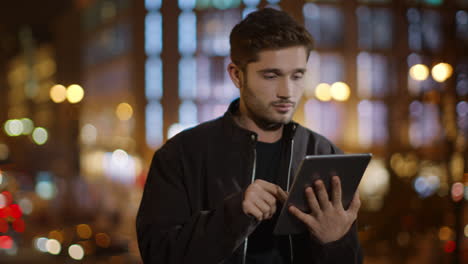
(262, 113)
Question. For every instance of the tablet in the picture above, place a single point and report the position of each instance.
(349, 167)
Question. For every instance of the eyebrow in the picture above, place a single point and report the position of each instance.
(280, 72)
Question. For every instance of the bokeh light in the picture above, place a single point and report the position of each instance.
(419, 72)
(124, 111)
(441, 72)
(375, 185)
(40, 244)
(75, 93)
(14, 127)
(28, 126)
(457, 191)
(8, 197)
(6, 242)
(58, 93)
(76, 252)
(19, 225)
(84, 231)
(53, 246)
(449, 246)
(466, 231)
(340, 91)
(445, 233)
(88, 134)
(103, 240)
(3, 225)
(40, 135)
(322, 92)
(26, 205)
(426, 186)
(45, 190)
(119, 157)
(15, 211)
(2, 201)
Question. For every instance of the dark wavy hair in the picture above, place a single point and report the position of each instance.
(266, 29)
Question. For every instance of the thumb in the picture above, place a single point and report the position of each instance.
(282, 195)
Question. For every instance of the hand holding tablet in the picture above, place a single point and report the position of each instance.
(318, 171)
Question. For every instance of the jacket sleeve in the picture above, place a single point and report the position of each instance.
(169, 231)
(345, 250)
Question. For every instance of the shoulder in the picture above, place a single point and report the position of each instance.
(317, 143)
(195, 137)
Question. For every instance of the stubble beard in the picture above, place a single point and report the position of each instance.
(261, 114)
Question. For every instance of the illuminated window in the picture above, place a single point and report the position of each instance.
(462, 79)
(153, 74)
(372, 75)
(251, 2)
(424, 30)
(154, 124)
(153, 33)
(188, 113)
(325, 68)
(218, 4)
(153, 78)
(153, 4)
(461, 19)
(427, 2)
(375, 28)
(187, 33)
(373, 129)
(187, 4)
(424, 127)
(187, 78)
(325, 23)
(325, 118)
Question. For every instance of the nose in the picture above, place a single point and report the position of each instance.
(285, 88)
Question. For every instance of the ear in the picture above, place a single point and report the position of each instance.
(236, 74)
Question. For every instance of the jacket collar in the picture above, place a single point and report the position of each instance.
(239, 133)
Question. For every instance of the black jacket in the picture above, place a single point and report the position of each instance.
(191, 209)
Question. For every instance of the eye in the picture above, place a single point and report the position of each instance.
(269, 76)
(298, 76)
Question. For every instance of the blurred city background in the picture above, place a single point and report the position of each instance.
(89, 89)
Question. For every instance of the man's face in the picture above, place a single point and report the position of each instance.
(272, 86)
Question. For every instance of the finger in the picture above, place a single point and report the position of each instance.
(312, 200)
(336, 192)
(268, 186)
(264, 207)
(252, 210)
(355, 204)
(272, 211)
(303, 217)
(282, 195)
(268, 198)
(322, 195)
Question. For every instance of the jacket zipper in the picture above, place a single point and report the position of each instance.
(287, 189)
(246, 241)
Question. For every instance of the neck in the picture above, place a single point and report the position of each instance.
(264, 135)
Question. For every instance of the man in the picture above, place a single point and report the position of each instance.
(213, 191)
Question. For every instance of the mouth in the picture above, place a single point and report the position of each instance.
(283, 107)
